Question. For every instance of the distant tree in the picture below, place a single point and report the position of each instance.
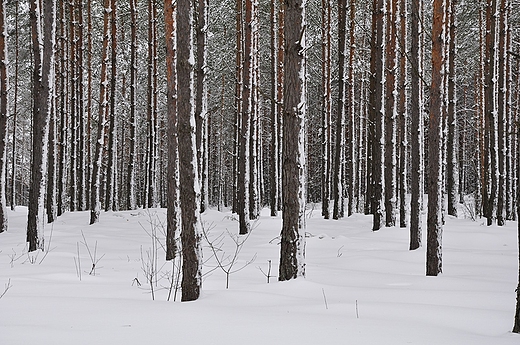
(293, 162)
(130, 172)
(434, 225)
(402, 111)
(95, 183)
(451, 140)
(42, 106)
(377, 111)
(490, 164)
(4, 87)
(516, 327)
(416, 125)
(390, 115)
(326, 124)
(337, 182)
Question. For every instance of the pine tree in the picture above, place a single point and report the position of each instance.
(188, 173)
(4, 87)
(95, 182)
(293, 186)
(172, 222)
(416, 126)
(377, 81)
(434, 224)
(43, 81)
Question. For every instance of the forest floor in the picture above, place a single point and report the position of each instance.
(361, 287)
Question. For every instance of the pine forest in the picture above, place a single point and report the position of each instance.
(390, 109)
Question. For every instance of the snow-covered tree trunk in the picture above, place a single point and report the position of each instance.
(501, 113)
(254, 121)
(72, 109)
(95, 183)
(43, 39)
(63, 135)
(14, 170)
(201, 99)
(402, 114)
(172, 222)
(275, 106)
(434, 224)
(50, 198)
(490, 188)
(130, 172)
(280, 93)
(337, 181)
(451, 140)
(293, 164)
(377, 111)
(151, 111)
(510, 212)
(326, 116)
(243, 179)
(4, 87)
(88, 139)
(82, 163)
(111, 173)
(416, 125)
(353, 147)
(390, 115)
(188, 172)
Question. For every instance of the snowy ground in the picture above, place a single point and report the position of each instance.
(362, 287)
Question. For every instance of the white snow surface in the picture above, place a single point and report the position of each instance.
(361, 287)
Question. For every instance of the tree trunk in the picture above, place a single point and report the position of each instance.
(15, 110)
(275, 105)
(337, 187)
(451, 141)
(201, 100)
(353, 161)
(111, 188)
(293, 186)
(434, 224)
(42, 101)
(326, 107)
(377, 81)
(172, 222)
(490, 186)
(501, 114)
(63, 113)
(188, 173)
(4, 87)
(130, 172)
(95, 183)
(243, 181)
(390, 116)
(416, 115)
(402, 115)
